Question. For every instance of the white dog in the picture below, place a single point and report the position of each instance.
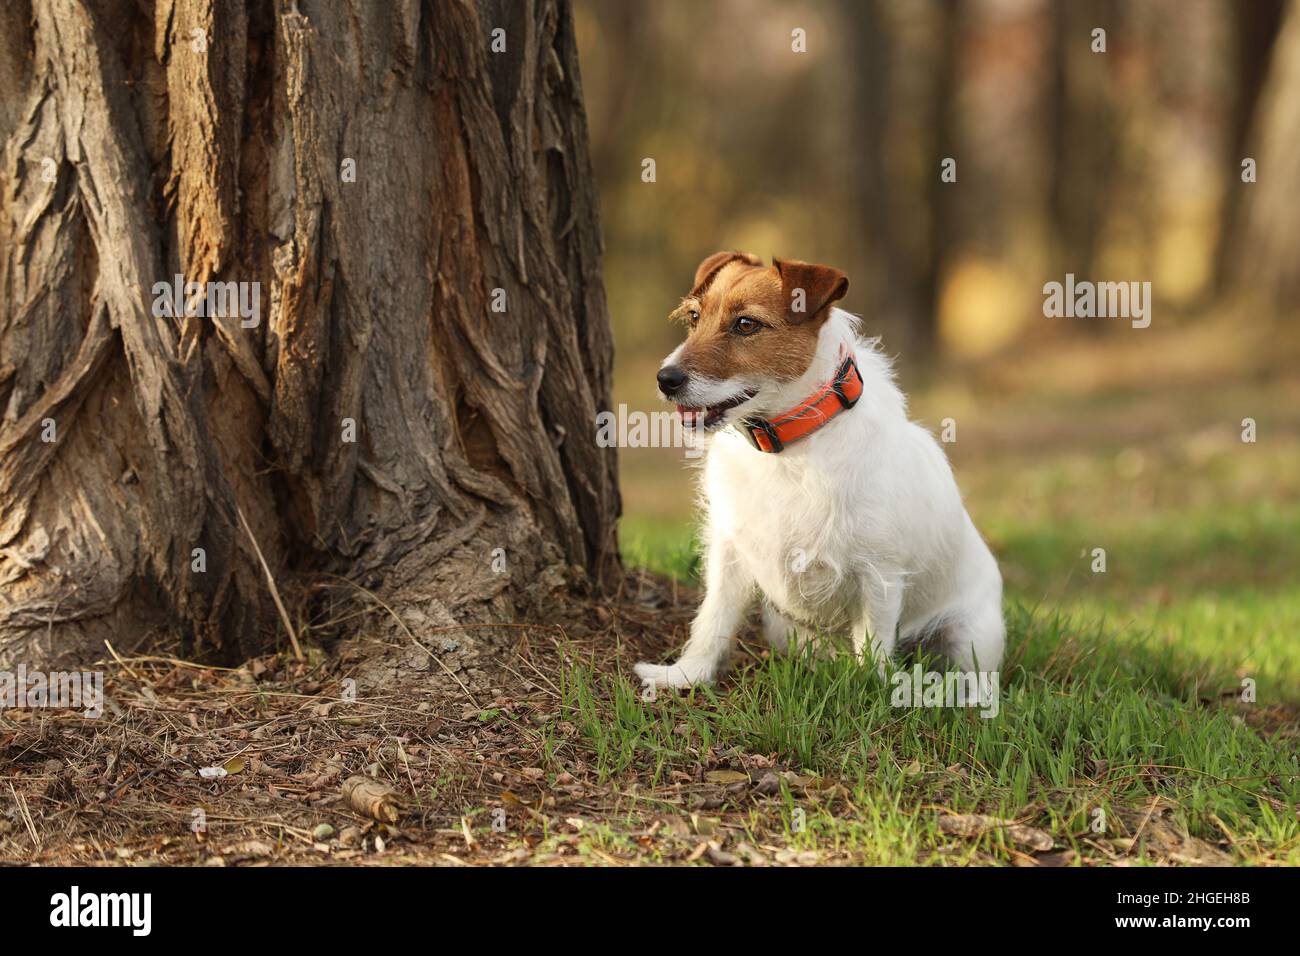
(821, 496)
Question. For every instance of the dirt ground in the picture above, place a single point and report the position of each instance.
(444, 720)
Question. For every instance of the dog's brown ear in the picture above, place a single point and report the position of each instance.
(809, 289)
(714, 263)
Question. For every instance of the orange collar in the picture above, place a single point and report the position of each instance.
(839, 394)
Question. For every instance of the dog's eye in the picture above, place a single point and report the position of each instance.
(695, 318)
(746, 326)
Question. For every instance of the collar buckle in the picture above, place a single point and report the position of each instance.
(754, 425)
(842, 376)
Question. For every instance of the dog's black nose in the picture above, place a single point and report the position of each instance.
(671, 379)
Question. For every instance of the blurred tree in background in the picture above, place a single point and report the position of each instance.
(1267, 245)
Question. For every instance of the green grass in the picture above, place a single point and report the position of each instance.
(1255, 546)
(663, 546)
(1084, 723)
(1118, 688)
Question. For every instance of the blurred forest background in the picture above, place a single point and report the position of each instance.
(1121, 165)
(1125, 165)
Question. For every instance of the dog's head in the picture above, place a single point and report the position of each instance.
(752, 329)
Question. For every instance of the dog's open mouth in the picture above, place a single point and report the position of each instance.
(710, 416)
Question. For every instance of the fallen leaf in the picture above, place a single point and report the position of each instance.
(977, 824)
(721, 857)
(726, 776)
(1064, 858)
(704, 826)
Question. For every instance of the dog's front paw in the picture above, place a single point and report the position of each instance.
(682, 674)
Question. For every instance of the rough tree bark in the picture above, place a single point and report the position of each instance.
(214, 139)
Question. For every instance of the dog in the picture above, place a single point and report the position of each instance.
(820, 495)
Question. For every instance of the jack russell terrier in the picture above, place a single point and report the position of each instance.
(820, 494)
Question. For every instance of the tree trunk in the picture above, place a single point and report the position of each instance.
(1084, 131)
(387, 180)
(1266, 259)
(1255, 31)
(912, 252)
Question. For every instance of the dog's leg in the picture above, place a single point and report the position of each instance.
(876, 630)
(780, 632)
(728, 590)
(977, 636)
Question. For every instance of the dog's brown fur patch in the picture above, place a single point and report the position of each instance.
(729, 285)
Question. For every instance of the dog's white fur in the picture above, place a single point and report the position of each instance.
(858, 528)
